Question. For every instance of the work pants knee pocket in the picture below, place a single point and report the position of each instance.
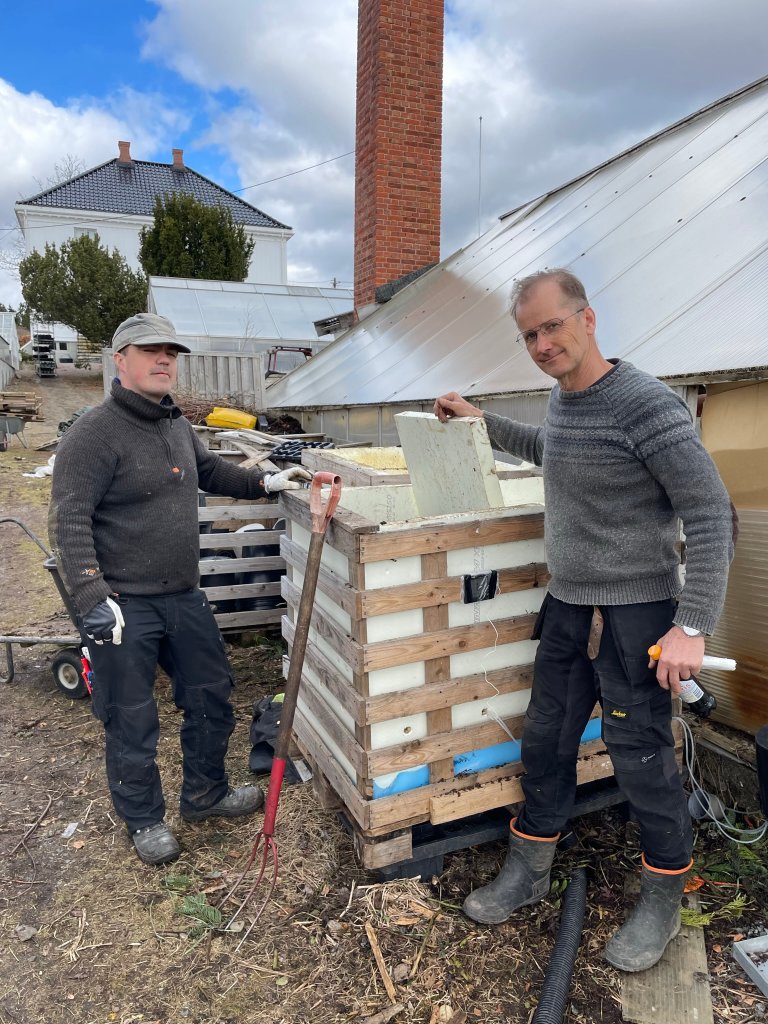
(209, 700)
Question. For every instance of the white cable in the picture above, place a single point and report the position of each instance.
(742, 836)
(489, 711)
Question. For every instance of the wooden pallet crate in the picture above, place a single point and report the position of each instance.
(216, 549)
(401, 672)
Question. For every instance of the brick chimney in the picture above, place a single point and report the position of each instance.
(124, 157)
(178, 160)
(398, 140)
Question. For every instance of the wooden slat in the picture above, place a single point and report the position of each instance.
(343, 531)
(328, 675)
(458, 640)
(378, 853)
(328, 582)
(593, 763)
(258, 617)
(458, 690)
(238, 590)
(341, 642)
(251, 539)
(359, 631)
(679, 982)
(315, 709)
(250, 512)
(446, 590)
(423, 539)
(413, 754)
(437, 670)
(215, 566)
(308, 739)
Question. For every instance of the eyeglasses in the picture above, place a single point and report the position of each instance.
(548, 328)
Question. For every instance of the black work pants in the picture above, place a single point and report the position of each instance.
(179, 632)
(636, 727)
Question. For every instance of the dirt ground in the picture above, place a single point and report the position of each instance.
(89, 934)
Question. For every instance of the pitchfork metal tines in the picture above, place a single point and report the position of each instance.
(265, 844)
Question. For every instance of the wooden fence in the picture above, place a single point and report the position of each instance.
(237, 377)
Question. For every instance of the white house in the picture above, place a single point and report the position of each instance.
(116, 200)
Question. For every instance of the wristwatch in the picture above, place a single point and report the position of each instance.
(690, 631)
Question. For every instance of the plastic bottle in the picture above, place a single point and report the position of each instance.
(696, 698)
(693, 694)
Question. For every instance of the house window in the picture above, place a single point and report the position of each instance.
(85, 232)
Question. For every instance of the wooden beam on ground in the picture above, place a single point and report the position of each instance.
(676, 990)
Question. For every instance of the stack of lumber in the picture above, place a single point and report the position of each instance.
(255, 445)
(25, 404)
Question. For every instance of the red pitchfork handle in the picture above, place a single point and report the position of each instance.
(321, 516)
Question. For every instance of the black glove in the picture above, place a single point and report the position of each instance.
(104, 622)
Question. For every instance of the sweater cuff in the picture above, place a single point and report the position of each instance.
(695, 619)
(90, 593)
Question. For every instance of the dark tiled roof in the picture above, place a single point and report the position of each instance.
(112, 188)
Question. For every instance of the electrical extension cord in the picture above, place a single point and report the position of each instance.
(741, 836)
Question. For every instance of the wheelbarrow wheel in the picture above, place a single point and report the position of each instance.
(68, 674)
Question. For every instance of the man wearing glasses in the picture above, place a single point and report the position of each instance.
(621, 463)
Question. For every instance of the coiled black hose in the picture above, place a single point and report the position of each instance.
(557, 980)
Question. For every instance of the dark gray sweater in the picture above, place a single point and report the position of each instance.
(621, 463)
(123, 513)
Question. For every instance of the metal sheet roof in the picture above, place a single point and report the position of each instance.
(244, 310)
(670, 238)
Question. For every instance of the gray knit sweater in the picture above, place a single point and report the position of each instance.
(621, 463)
(123, 513)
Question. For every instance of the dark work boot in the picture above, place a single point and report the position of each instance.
(236, 803)
(156, 844)
(655, 921)
(523, 879)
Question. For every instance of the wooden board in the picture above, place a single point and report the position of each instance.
(676, 990)
(451, 465)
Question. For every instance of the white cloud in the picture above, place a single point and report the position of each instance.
(560, 88)
(558, 92)
(37, 134)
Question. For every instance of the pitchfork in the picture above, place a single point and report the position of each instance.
(321, 516)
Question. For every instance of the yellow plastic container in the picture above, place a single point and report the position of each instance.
(230, 419)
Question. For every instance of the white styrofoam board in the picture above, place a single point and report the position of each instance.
(451, 465)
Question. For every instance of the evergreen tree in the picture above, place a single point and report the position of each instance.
(83, 285)
(189, 239)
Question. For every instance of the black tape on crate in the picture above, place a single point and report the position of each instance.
(482, 587)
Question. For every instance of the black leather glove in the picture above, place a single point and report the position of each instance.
(104, 622)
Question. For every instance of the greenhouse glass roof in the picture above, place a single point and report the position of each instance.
(243, 310)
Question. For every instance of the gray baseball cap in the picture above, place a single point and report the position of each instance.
(146, 329)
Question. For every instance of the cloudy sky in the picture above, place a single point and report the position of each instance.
(254, 90)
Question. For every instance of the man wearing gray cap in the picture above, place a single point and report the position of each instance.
(123, 523)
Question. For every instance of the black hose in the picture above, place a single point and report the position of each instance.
(557, 980)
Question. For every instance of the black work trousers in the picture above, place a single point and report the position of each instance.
(636, 726)
(179, 632)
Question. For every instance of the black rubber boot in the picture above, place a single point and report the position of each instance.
(655, 921)
(523, 879)
(236, 803)
(156, 844)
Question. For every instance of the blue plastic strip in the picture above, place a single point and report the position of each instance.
(466, 764)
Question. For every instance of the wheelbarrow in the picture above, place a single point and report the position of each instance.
(70, 667)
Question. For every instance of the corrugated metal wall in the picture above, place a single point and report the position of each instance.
(238, 377)
(742, 696)
(375, 424)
